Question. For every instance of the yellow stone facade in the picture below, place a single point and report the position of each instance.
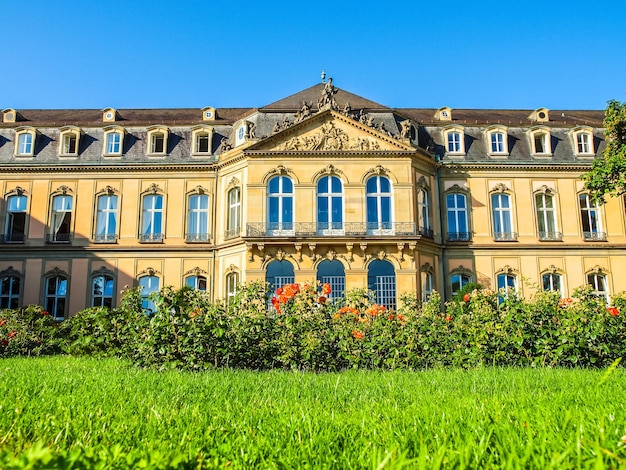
(421, 199)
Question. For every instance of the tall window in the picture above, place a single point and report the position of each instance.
(552, 281)
(25, 143)
(540, 142)
(106, 218)
(502, 225)
(454, 142)
(590, 218)
(196, 283)
(148, 285)
(69, 145)
(61, 220)
(157, 143)
(546, 217)
(10, 291)
(332, 272)
(381, 278)
(198, 218)
(56, 296)
(427, 285)
(497, 142)
(234, 213)
(423, 208)
(379, 211)
(280, 205)
(598, 283)
(456, 205)
(508, 283)
(329, 205)
(102, 291)
(232, 283)
(152, 218)
(457, 281)
(114, 143)
(15, 225)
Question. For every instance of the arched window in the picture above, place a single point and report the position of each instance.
(113, 141)
(546, 216)
(152, 218)
(590, 218)
(10, 290)
(456, 207)
(379, 207)
(329, 205)
(15, 225)
(25, 141)
(458, 280)
(280, 206)
(427, 285)
(232, 285)
(381, 278)
(507, 281)
(106, 219)
(198, 218)
(279, 273)
(599, 284)
(56, 296)
(61, 219)
(333, 273)
(196, 282)
(502, 218)
(102, 291)
(552, 281)
(233, 224)
(148, 285)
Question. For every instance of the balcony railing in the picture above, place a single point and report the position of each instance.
(105, 238)
(12, 238)
(594, 236)
(459, 236)
(550, 236)
(314, 229)
(197, 238)
(151, 237)
(232, 233)
(505, 236)
(425, 232)
(58, 238)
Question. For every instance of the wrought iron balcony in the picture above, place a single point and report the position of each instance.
(314, 229)
(459, 236)
(594, 236)
(197, 238)
(232, 233)
(425, 232)
(58, 238)
(105, 238)
(151, 237)
(505, 236)
(12, 238)
(550, 236)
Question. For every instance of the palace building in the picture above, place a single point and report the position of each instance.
(322, 185)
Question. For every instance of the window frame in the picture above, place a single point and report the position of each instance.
(57, 222)
(386, 292)
(198, 132)
(546, 215)
(491, 133)
(51, 300)
(459, 148)
(113, 148)
(108, 236)
(581, 137)
(198, 234)
(9, 235)
(534, 134)
(231, 283)
(457, 235)
(154, 132)
(10, 298)
(330, 197)
(500, 215)
(384, 202)
(464, 278)
(25, 137)
(65, 136)
(148, 305)
(551, 276)
(599, 275)
(152, 236)
(195, 281)
(284, 215)
(423, 212)
(107, 277)
(593, 222)
(234, 212)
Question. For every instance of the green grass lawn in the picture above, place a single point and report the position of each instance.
(65, 412)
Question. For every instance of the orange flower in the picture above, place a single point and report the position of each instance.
(400, 317)
(391, 316)
(337, 315)
(613, 311)
(321, 300)
(466, 298)
(276, 304)
(12, 334)
(195, 313)
(326, 289)
(358, 334)
(375, 310)
(3, 321)
(279, 291)
(448, 318)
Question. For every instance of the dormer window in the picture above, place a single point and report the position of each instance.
(113, 141)
(70, 137)
(25, 142)
(109, 115)
(582, 140)
(454, 140)
(540, 141)
(444, 114)
(497, 140)
(202, 140)
(157, 140)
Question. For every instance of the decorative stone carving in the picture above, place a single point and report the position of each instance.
(276, 128)
(360, 143)
(10, 271)
(362, 116)
(250, 130)
(312, 248)
(545, 190)
(349, 255)
(197, 271)
(401, 251)
(331, 255)
(500, 188)
(507, 270)
(103, 271)
(597, 269)
(405, 131)
(225, 146)
(280, 254)
(109, 190)
(17, 190)
(303, 113)
(327, 100)
(381, 255)
(426, 268)
(233, 183)
(347, 110)
(56, 271)
(249, 249)
(63, 189)
(153, 188)
(298, 248)
(150, 271)
(552, 269)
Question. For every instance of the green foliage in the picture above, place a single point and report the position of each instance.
(29, 331)
(608, 174)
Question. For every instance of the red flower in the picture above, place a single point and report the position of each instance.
(326, 289)
(322, 300)
(44, 312)
(279, 291)
(448, 318)
(12, 334)
(4, 342)
(3, 321)
(613, 311)
(466, 298)
(276, 304)
(391, 316)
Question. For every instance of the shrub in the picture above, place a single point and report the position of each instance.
(29, 331)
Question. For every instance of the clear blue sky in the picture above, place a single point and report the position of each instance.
(192, 53)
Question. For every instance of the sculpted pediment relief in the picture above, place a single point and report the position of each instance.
(332, 132)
